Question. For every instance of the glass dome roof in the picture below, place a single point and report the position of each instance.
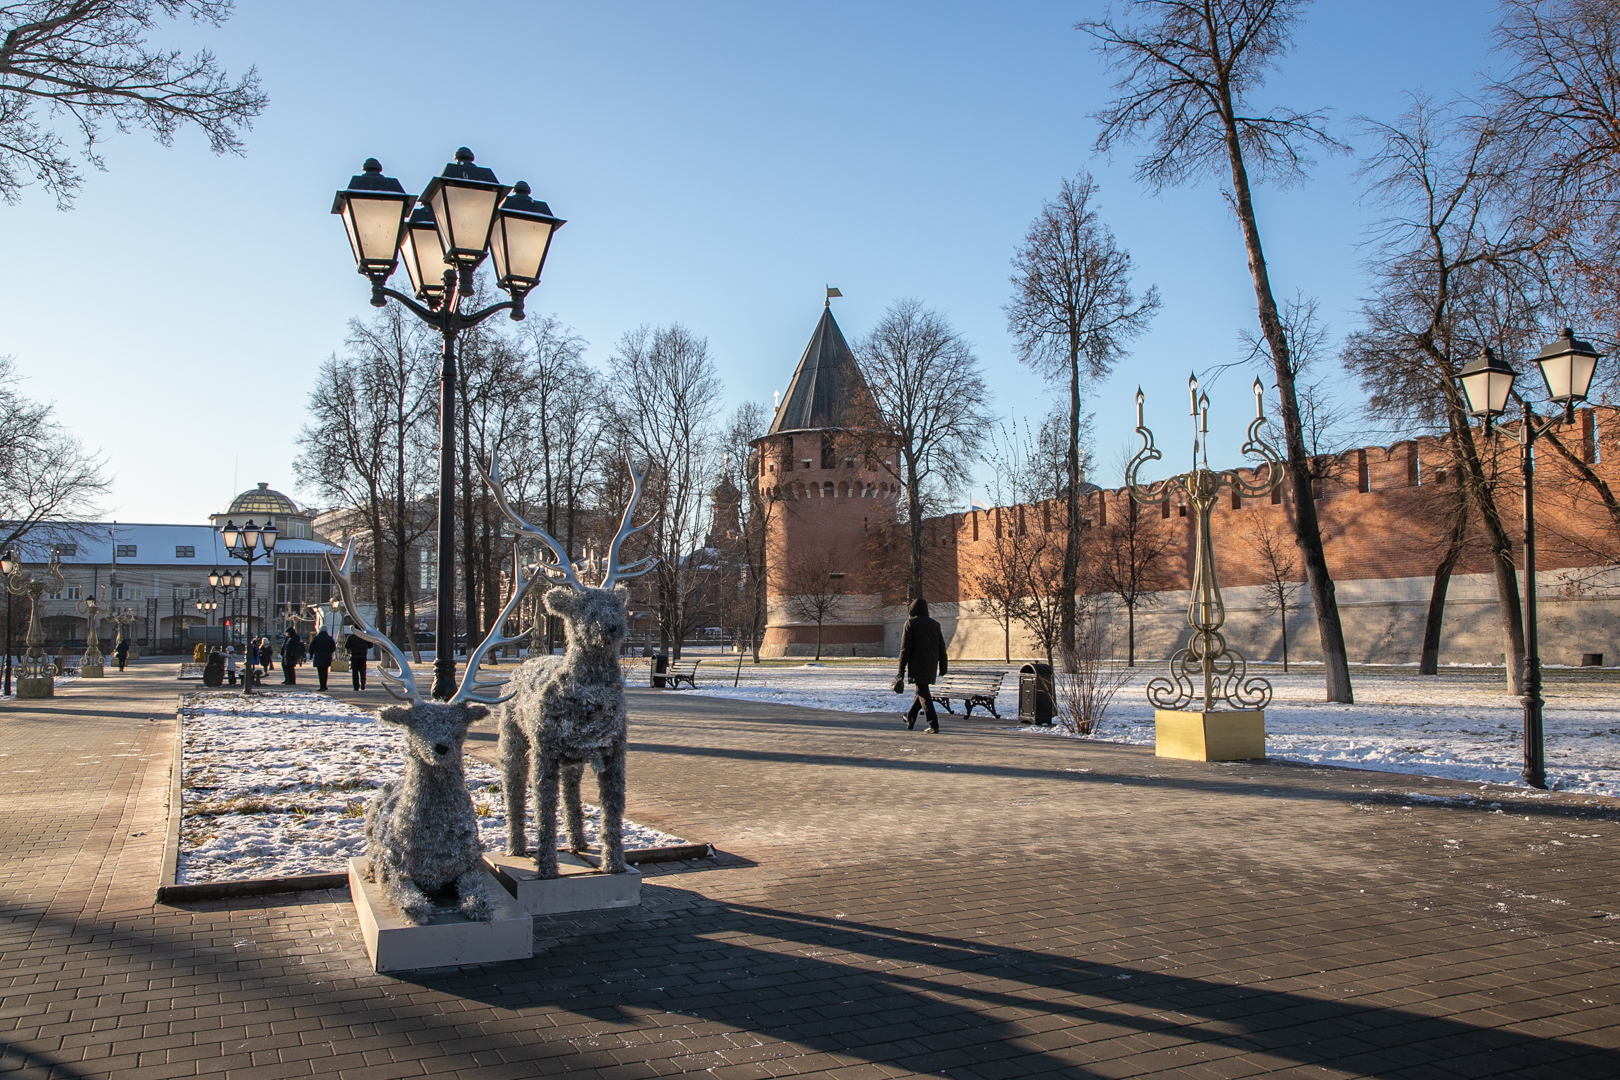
(261, 500)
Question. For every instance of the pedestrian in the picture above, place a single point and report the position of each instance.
(320, 654)
(230, 665)
(267, 655)
(922, 650)
(251, 669)
(357, 646)
(121, 650)
(292, 651)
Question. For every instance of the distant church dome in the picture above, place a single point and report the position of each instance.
(261, 500)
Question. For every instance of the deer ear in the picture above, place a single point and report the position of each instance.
(398, 715)
(622, 591)
(476, 712)
(562, 602)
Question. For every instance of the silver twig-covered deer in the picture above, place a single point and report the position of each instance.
(421, 832)
(569, 710)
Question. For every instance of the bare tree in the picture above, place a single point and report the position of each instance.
(1127, 562)
(47, 477)
(1001, 577)
(1452, 274)
(928, 394)
(1278, 559)
(1087, 685)
(1187, 72)
(741, 463)
(368, 446)
(813, 588)
(1072, 314)
(89, 61)
(666, 392)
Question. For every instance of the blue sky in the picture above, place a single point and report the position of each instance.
(718, 165)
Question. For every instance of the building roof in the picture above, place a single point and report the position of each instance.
(261, 500)
(825, 385)
(92, 544)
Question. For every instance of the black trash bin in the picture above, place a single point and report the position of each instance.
(1036, 704)
(660, 665)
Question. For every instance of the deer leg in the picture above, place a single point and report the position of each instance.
(410, 900)
(545, 813)
(572, 811)
(473, 889)
(514, 782)
(610, 788)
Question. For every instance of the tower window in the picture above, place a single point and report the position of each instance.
(829, 452)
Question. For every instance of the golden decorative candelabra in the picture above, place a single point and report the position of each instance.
(1222, 669)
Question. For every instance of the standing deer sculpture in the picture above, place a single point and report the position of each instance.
(569, 711)
(421, 831)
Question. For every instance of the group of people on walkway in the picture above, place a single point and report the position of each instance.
(320, 651)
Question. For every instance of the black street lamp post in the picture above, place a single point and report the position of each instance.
(222, 588)
(465, 214)
(1487, 382)
(249, 544)
(8, 563)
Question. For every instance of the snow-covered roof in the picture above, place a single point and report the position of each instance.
(91, 543)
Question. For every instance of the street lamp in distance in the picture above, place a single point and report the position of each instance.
(249, 544)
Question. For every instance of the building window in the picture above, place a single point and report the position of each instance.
(829, 451)
(66, 551)
(185, 551)
(429, 570)
(126, 592)
(126, 551)
(302, 579)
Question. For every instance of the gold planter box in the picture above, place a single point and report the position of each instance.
(1209, 736)
(43, 687)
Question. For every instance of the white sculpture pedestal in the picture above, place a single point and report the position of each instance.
(448, 940)
(580, 886)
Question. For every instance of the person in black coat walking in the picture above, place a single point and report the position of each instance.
(122, 652)
(321, 649)
(292, 653)
(358, 647)
(922, 650)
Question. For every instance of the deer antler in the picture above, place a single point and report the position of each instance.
(403, 679)
(560, 572)
(471, 688)
(614, 572)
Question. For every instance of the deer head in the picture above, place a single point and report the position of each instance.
(434, 732)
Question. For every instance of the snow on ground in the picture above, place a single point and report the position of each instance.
(275, 785)
(1460, 725)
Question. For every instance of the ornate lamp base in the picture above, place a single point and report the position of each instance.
(90, 671)
(42, 687)
(1209, 736)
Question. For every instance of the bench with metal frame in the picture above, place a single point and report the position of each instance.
(970, 688)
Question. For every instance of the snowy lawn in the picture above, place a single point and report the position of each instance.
(276, 785)
(1461, 724)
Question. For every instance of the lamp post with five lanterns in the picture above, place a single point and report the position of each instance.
(1567, 365)
(464, 215)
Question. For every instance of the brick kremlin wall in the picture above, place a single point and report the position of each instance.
(1384, 519)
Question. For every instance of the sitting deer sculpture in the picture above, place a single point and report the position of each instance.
(569, 710)
(421, 832)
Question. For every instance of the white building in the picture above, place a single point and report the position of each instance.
(159, 573)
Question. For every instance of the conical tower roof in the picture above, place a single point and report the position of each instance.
(827, 390)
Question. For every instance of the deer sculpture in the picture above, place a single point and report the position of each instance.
(569, 711)
(421, 832)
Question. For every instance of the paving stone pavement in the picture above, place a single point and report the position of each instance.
(977, 904)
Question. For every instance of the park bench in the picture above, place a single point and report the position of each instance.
(192, 671)
(970, 688)
(681, 669)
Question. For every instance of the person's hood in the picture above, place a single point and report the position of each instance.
(919, 608)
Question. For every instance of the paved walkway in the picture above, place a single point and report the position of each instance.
(977, 904)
